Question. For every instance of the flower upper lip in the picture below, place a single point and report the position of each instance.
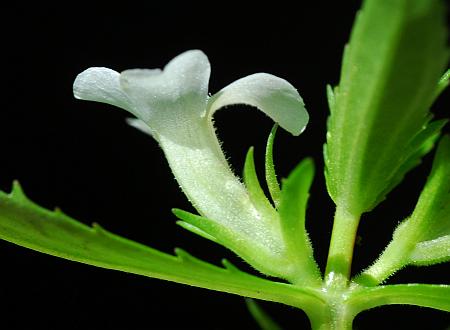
(183, 86)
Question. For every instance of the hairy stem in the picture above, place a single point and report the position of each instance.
(342, 243)
(337, 318)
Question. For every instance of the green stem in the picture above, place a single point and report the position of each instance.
(335, 319)
(342, 243)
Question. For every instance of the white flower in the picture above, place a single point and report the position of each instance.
(173, 106)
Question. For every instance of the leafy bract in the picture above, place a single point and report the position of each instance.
(254, 189)
(292, 210)
(271, 177)
(379, 127)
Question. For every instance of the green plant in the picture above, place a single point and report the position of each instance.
(379, 129)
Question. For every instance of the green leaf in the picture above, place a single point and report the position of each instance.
(292, 210)
(254, 189)
(424, 295)
(396, 55)
(271, 177)
(264, 321)
(424, 238)
(27, 224)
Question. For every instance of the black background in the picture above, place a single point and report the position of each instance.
(82, 157)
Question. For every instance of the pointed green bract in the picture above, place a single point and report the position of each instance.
(196, 230)
(424, 238)
(271, 177)
(292, 210)
(396, 55)
(254, 189)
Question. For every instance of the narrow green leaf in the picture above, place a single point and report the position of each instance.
(255, 191)
(271, 177)
(396, 55)
(422, 239)
(264, 321)
(424, 295)
(25, 223)
(292, 210)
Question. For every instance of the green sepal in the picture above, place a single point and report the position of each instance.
(253, 186)
(388, 81)
(205, 227)
(196, 230)
(263, 319)
(247, 249)
(292, 211)
(271, 177)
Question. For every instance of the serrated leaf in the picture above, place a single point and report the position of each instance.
(264, 321)
(271, 177)
(422, 239)
(396, 55)
(25, 223)
(254, 189)
(292, 210)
